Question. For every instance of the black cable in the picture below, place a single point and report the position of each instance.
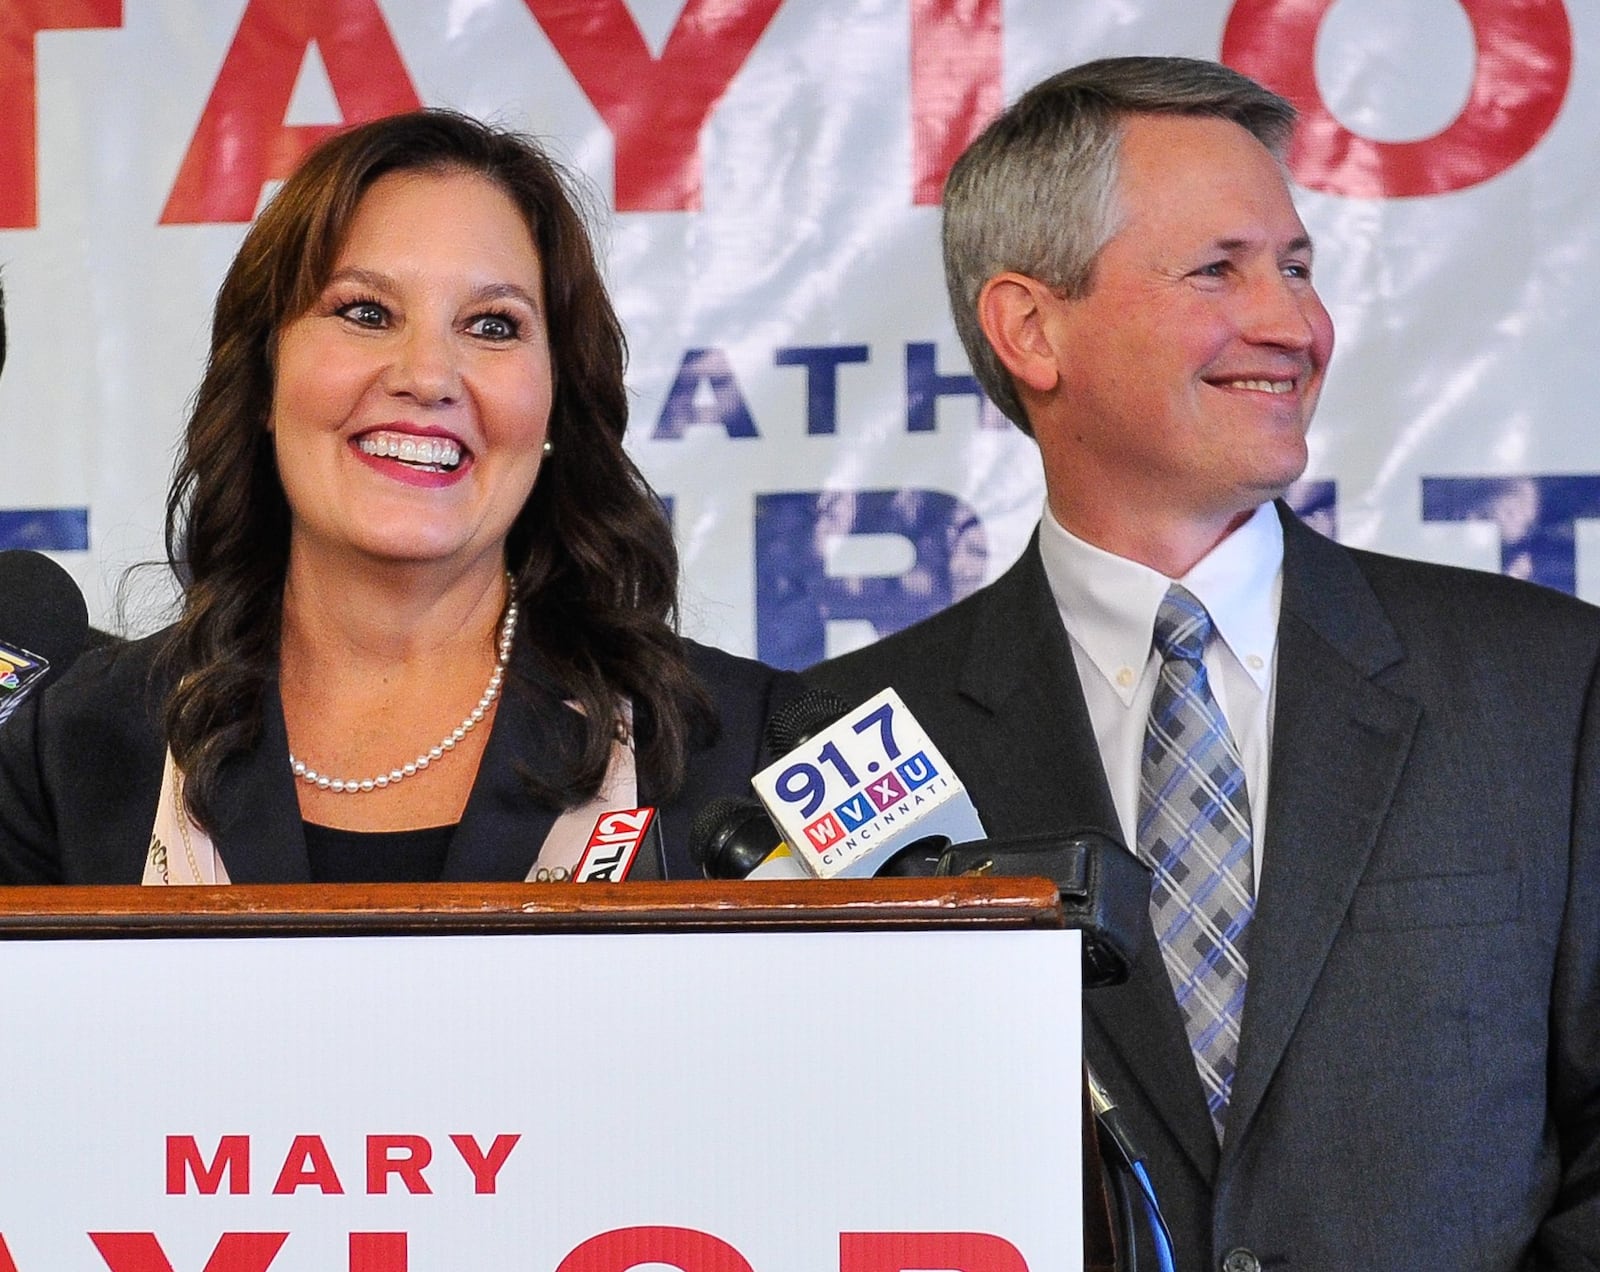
(1127, 1223)
(1128, 1163)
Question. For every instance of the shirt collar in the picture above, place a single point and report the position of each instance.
(1108, 603)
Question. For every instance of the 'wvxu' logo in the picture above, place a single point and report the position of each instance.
(871, 801)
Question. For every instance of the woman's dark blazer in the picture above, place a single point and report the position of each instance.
(80, 773)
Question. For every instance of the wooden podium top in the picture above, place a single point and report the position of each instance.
(450, 908)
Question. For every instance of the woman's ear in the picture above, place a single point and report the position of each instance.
(1014, 312)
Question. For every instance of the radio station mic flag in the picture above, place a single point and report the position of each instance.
(860, 790)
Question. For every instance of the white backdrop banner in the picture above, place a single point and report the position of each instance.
(770, 171)
(711, 1102)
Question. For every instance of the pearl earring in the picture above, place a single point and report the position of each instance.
(547, 446)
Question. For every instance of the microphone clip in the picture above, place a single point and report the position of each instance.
(1104, 890)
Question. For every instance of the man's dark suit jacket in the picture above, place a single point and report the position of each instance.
(1418, 1079)
(80, 772)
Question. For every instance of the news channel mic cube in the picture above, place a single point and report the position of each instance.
(865, 787)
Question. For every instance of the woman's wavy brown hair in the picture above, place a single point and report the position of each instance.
(591, 552)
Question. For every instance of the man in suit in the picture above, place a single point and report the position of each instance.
(1364, 1030)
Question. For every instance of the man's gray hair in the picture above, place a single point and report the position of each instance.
(1036, 192)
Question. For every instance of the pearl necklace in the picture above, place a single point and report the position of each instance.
(355, 785)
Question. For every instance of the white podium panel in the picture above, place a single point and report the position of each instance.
(683, 1102)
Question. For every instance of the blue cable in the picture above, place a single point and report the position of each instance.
(1158, 1225)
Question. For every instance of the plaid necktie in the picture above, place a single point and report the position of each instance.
(1194, 833)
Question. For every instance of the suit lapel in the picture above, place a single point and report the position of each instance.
(260, 836)
(502, 827)
(1339, 743)
(1038, 746)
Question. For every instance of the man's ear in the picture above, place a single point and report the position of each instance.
(1013, 311)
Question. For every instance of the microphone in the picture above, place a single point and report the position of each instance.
(861, 789)
(44, 627)
(732, 838)
(625, 844)
(735, 839)
(800, 719)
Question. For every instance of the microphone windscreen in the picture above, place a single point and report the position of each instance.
(42, 612)
(730, 837)
(800, 719)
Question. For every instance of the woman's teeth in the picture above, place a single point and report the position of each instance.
(437, 454)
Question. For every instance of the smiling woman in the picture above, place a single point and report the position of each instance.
(413, 396)
(429, 603)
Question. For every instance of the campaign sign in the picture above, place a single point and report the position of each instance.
(868, 785)
(546, 1102)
